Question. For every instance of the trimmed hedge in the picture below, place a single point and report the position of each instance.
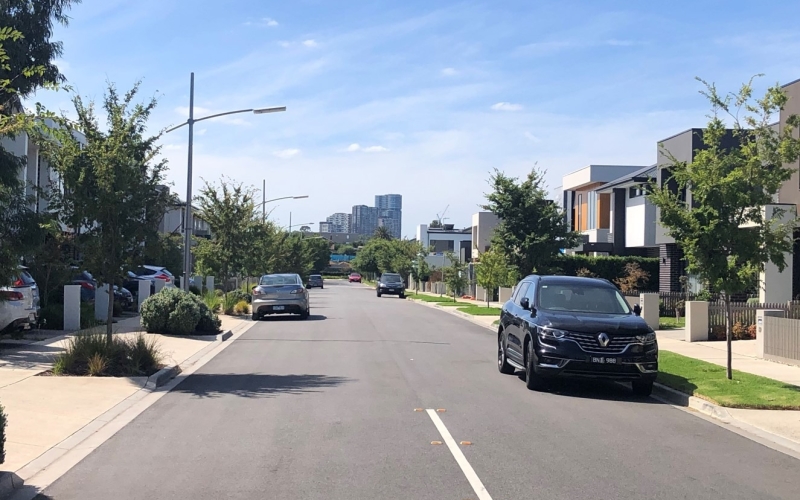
(175, 312)
(610, 268)
(3, 423)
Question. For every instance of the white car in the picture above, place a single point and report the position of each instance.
(19, 303)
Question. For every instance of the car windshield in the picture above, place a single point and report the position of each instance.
(582, 298)
(278, 280)
(391, 278)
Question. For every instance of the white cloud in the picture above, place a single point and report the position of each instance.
(63, 66)
(506, 106)
(284, 44)
(172, 147)
(532, 138)
(449, 72)
(269, 21)
(286, 153)
(310, 43)
(202, 131)
(369, 149)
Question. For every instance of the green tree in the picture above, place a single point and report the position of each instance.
(319, 252)
(165, 250)
(111, 194)
(263, 254)
(492, 272)
(455, 275)
(420, 270)
(383, 233)
(532, 229)
(229, 211)
(731, 179)
(27, 52)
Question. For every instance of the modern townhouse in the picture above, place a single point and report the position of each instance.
(609, 207)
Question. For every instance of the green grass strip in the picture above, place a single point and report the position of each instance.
(708, 381)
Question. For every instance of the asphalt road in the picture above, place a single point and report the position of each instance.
(324, 409)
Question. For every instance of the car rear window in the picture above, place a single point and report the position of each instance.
(24, 279)
(278, 280)
(315, 277)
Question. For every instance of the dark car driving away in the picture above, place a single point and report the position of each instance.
(391, 284)
(315, 280)
(560, 326)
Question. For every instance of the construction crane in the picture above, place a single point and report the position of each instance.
(442, 217)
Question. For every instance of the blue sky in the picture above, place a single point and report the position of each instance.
(420, 98)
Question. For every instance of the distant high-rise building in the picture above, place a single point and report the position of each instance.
(364, 220)
(339, 223)
(390, 212)
(325, 227)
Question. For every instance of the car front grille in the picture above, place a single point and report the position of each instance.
(589, 343)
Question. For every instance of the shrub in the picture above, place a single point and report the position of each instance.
(751, 331)
(717, 333)
(635, 278)
(212, 301)
(229, 301)
(242, 307)
(585, 273)
(3, 423)
(91, 354)
(193, 289)
(173, 311)
(611, 268)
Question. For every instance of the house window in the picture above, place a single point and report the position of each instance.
(591, 223)
(635, 191)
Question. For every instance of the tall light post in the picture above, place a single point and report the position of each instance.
(303, 224)
(264, 203)
(187, 222)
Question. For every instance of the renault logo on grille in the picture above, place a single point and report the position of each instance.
(603, 340)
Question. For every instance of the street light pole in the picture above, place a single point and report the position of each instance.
(264, 202)
(187, 240)
(187, 223)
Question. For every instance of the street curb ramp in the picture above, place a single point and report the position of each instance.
(701, 405)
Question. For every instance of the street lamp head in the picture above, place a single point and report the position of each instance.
(299, 197)
(269, 110)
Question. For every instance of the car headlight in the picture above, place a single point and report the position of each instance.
(552, 333)
(647, 338)
(383, 285)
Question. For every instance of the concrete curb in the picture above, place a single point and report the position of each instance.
(52, 461)
(454, 312)
(162, 376)
(701, 405)
(9, 482)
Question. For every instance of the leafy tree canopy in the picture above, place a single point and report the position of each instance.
(532, 228)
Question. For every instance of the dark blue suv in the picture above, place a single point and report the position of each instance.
(563, 326)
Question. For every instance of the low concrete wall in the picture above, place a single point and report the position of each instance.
(480, 293)
(696, 321)
(505, 294)
(650, 309)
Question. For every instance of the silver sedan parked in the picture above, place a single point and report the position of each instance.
(280, 294)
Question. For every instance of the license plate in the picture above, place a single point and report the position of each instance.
(391, 290)
(277, 308)
(604, 361)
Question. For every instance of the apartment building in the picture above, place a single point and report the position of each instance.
(339, 222)
(364, 220)
(390, 213)
(609, 207)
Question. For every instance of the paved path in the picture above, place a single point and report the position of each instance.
(324, 409)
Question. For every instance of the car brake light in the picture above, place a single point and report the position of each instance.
(19, 282)
(87, 286)
(295, 292)
(11, 296)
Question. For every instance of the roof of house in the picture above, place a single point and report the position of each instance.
(644, 172)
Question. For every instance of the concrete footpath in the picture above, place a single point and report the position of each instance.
(45, 410)
(783, 424)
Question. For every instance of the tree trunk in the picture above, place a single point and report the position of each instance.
(728, 333)
(110, 318)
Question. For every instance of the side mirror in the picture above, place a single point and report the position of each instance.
(637, 309)
(533, 312)
(525, 303)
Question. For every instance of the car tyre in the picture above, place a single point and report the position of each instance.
(402, 296)
(533, 381)
(255, 317)
(379, 294)
(502, 362)
(305, 314)
(642, 387)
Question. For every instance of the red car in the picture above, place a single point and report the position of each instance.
(354, 278)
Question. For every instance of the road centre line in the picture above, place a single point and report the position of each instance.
(466, 468)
